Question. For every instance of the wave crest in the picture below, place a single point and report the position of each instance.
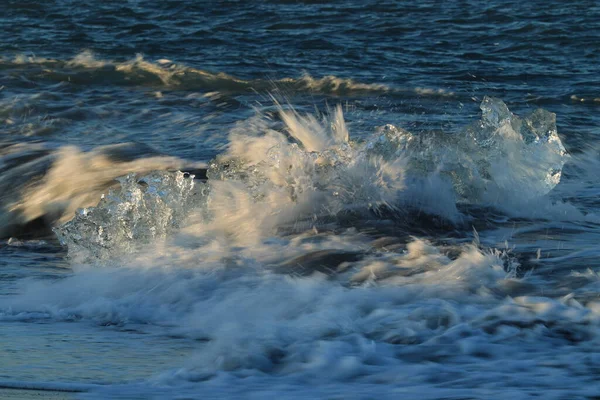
(287, 174)
(85, 68)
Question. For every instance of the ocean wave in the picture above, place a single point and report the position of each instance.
(244, 264)
(85, 68)
(288, 169)
(308, 171)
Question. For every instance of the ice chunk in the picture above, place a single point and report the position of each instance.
(142, 209)
(494, 112)
(498, 158)
(518, 155)
(389, 141)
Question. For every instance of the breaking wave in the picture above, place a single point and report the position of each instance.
(289, 173)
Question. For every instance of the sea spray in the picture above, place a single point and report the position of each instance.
(309, 169)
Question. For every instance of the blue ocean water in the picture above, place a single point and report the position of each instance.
(378, 199)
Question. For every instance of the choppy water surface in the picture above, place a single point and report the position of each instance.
(297, 199)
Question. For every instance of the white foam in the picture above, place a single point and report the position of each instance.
(440, 325)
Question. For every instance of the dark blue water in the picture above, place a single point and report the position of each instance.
(473, 274)
(533, 54)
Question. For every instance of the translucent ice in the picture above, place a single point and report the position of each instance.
(141, 210)
(489, 161)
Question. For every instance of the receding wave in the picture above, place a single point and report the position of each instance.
(85, 68)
